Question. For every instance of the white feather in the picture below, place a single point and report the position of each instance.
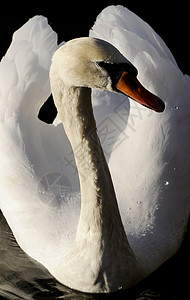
(151, 163)
(148, 154)
(31, 151)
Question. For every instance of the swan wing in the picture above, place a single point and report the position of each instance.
(149, 157)
(39, 193)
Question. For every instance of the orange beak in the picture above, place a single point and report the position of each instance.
(131, 87)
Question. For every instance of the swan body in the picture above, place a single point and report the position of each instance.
(120, 232)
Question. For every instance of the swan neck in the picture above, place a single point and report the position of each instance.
(99, 209)
(95, 180)
(100, 235)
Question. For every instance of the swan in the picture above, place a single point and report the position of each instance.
(98, 220)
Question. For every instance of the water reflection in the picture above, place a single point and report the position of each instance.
(23, 278)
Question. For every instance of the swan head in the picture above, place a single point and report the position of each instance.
(94, 63)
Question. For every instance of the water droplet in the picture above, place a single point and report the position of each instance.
(119, 287)
(129, 208)
(139, 202)
(176, 107)
(166, 183)
(144, 234)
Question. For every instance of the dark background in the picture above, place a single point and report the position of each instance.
(71, 19)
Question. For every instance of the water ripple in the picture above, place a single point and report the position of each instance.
(23, 278)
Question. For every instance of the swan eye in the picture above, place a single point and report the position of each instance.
(115, 70)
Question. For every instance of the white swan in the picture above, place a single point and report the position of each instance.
(148, 156)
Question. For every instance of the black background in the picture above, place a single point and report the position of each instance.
(170, 19)
(71, 19)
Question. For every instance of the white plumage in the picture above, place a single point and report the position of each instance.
(159, 142)
(148, 153)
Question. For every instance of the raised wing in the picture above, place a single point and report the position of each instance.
(149, 158)
(39, 185)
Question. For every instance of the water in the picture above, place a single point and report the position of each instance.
(23, 278)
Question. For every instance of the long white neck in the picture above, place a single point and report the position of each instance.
(101, 251)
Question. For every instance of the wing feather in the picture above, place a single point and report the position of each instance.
(39, 188)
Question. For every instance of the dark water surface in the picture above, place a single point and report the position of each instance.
(23, 278)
